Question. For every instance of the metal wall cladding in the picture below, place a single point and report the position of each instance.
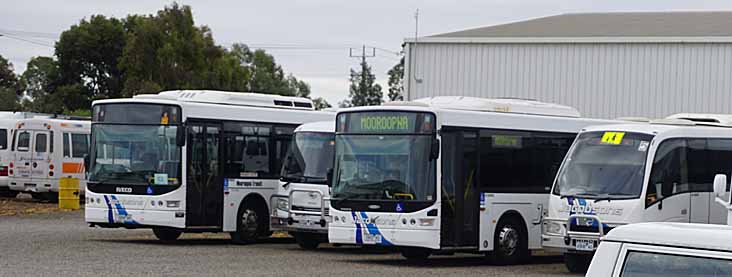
(605, 80)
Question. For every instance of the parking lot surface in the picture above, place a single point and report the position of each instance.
(59, 243)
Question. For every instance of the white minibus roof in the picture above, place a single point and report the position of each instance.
(506, 105)
(686, 235)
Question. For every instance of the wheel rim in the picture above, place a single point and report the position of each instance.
(508, 240)
(249, 223)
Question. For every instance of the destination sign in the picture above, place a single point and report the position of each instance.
(387, 122)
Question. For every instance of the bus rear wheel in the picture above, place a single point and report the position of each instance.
(509, 242)
(577, 263)
(166, 234)
(416, 254)
(307, 241)
(248, 227)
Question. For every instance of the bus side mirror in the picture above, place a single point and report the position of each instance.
(720, 186)
(435, 149)
(329, 177)
(180, 136)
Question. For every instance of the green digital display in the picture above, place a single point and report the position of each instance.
(385, 123)
(374, 122)
(503, 141)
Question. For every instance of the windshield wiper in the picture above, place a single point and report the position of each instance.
(578, 194)
(609, 197)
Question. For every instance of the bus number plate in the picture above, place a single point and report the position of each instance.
(371, 239)
(584, 245)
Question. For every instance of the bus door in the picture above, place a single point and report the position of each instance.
(41, 158)
(204, 187)
(459, 191)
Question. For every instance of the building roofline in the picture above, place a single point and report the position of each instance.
(568, 40)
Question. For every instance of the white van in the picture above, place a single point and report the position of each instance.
(298, 205)
(44, 150)
(615, 175)
(664, 249)
(6, 134)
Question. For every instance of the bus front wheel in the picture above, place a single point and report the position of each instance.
(166, 234)
(509, 242)
(247, 224)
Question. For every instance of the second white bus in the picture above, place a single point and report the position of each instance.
(448, 174)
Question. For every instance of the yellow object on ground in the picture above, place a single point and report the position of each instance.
(68, 193)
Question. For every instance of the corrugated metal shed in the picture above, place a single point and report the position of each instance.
(647, 70)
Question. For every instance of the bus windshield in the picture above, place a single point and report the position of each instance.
(607, 165)
(136, 154)
(309, 158)
(384, 167)
(385, 155)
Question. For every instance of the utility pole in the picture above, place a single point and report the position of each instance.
(363, 57)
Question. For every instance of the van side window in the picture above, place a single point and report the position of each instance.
(669, 171)
(79, 145)
(67, 147)
(23, 141)
(3, 139)
(666, 264)
(41, 142)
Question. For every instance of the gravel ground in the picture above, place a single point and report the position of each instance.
(59, 243)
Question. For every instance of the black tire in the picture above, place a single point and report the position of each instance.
(307, 241)
(510, 243)
(167, 234)
(577, 263)
(51, 197)
(250, 223)
(415, 254)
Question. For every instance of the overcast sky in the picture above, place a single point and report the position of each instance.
(317, 33)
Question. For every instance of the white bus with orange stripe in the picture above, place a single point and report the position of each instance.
(45, 150)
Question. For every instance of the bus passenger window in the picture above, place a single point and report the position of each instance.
(67, 147)
(669, 171)
(3, 139)
(79, 145)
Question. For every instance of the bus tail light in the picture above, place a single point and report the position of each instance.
(50, 166)
(50, 173)
(3, 171)
(11, 165)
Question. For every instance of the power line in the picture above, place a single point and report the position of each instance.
(25, 40)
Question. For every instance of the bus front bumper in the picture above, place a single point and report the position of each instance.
(113, 218)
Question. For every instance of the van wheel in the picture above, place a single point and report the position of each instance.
(167, 234)
(416, 254)
(307, 241)
(509, 242)
(248, 224)
(577, 263)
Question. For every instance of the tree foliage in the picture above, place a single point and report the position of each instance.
(106, 57)
(364, 91)
(8, 79)
(396, 82)
(88, 54)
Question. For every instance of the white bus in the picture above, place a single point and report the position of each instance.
(7, 125)
(46, 150)
(190, 161)
(299, 203)
(448, 174)
(614, 175)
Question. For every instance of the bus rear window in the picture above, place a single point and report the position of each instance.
(23, 141)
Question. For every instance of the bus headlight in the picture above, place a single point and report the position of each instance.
(283, 204)
(552, 227)
(426, 221)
